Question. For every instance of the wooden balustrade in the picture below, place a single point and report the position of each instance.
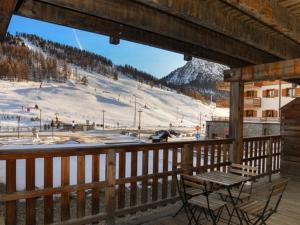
(264, 153)
(93, 183)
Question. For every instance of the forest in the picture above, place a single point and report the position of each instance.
(20, 63)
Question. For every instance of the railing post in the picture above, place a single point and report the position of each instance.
(269, 158)
(110, 191)
(187, 159)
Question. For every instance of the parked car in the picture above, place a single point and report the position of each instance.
(160, 136)
(174, 132)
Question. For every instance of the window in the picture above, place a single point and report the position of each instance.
(269, 113)
(250, 94)
(289, 92)
(250, 113)
(270, 93)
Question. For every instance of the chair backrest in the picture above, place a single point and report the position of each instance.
(189, 181)
(243, 170)
(178, 168)
(277, 190)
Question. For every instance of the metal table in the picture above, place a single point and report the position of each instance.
(228, 181)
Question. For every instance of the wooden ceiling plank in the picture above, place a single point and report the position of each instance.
(272, 14)
(282, 70)
(53, 14)
(230, 22)
(142, 17)
(6, 11)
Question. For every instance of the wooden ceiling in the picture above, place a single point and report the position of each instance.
(293, 6)
(232, 32)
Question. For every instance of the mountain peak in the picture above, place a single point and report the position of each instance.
(200, 75)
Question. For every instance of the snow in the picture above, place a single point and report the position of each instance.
(80, 103)
(74, 101)
(193, 69)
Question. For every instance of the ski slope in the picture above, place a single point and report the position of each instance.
(75, 101)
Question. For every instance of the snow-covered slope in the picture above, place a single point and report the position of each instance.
(77, 102)
(198, 74)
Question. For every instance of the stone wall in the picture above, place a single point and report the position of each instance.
(251, 129)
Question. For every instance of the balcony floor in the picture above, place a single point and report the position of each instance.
(288, 211)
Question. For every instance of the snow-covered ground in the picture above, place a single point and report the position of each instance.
(73, 101)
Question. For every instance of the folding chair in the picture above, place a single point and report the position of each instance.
(257, 212)
(210, 206)
(190, 192)
(237, 193)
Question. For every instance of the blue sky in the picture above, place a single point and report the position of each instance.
(152, 60)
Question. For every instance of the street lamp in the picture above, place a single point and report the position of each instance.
(19, 118)
(134, 118)
(103, 111)
(140, 112)
(40, 120)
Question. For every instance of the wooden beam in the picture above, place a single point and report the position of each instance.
(152, 20)
(282, 70)
(236, 121)
(62, 16)
(272, 14)
(234, 24)
(6, 10)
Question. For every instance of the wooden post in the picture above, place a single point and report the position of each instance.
(236, 121)
(11, 215)
(110, 191)
(269, 159)
(187, 159)
(6, 11)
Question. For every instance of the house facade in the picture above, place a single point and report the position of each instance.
(262, 100)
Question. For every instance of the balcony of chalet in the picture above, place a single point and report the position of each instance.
(125, 184)
(252, 102)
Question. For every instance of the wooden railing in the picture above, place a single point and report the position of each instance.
(264, 153)
(86, 184)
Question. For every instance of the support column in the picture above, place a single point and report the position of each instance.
(7, 8)
(236, 121)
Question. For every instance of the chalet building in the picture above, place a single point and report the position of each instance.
(262, 100)
(262, 103)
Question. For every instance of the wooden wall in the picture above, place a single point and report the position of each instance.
(290, 130)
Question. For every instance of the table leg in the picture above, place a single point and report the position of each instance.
(234, 204)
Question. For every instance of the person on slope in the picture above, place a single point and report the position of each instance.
(73, 126)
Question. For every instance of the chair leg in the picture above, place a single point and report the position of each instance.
(205, 213)
(192, 213)
(178, 211)
(190, 220)
(213, 217)
(219, 213)
(245, 218)
(200, 211)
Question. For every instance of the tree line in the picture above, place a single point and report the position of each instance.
(18, 62)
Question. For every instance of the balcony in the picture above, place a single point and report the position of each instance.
(252, 102)
(101, 183)
(287, 214)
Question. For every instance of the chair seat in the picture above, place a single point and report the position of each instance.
(253, 207)
(193, 192)
(234, 193)
(201, 201)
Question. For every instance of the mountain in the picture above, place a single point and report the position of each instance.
(77, 85)
(198, 75)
